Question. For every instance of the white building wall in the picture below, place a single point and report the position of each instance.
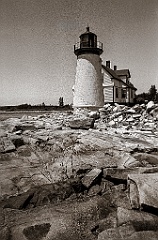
(108, 88)
(88, 89)
(108, 94)
(107, 79)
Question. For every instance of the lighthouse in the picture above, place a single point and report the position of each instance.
(88, 90)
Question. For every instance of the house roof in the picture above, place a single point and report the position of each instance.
(114, 75)
(123, 72)
(111, 72)
(132, 86)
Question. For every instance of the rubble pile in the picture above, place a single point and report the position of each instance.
(80, 175)
(139, 117)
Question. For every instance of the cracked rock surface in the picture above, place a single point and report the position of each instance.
(82, 175)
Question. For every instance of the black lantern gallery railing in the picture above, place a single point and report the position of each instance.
(84, 47)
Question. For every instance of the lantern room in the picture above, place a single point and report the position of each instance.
(88, 44)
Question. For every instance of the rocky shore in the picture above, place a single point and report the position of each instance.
(80, 175)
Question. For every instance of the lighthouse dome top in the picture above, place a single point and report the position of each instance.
(87, 33)
(88, 44)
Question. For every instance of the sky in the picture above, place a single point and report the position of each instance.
(37, 62)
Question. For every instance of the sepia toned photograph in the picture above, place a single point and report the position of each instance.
(78, 120)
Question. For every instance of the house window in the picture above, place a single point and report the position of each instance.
(123, 92)
(116, 92)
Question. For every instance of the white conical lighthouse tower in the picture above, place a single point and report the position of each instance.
(88, 90)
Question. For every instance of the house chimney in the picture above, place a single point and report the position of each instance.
(108, 64)
(115, 67)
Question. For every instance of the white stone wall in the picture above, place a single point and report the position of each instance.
(88, 89)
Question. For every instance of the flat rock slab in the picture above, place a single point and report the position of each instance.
(88, 179)
(147, 158)
(80, 123)
(6, 145)
(25, 126)
(123, 234)
(57, 222)
(143, 190)
(122, 173)
(119, 173)
(141, 221)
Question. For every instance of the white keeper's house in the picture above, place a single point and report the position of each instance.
(117, 86)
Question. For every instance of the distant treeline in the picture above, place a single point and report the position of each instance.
(151, 95)
(28, 107)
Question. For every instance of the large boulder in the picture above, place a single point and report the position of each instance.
(143, 190)
(81, 123)
(132, 225)
(154, 113)
(90, 177)
(150, 105)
